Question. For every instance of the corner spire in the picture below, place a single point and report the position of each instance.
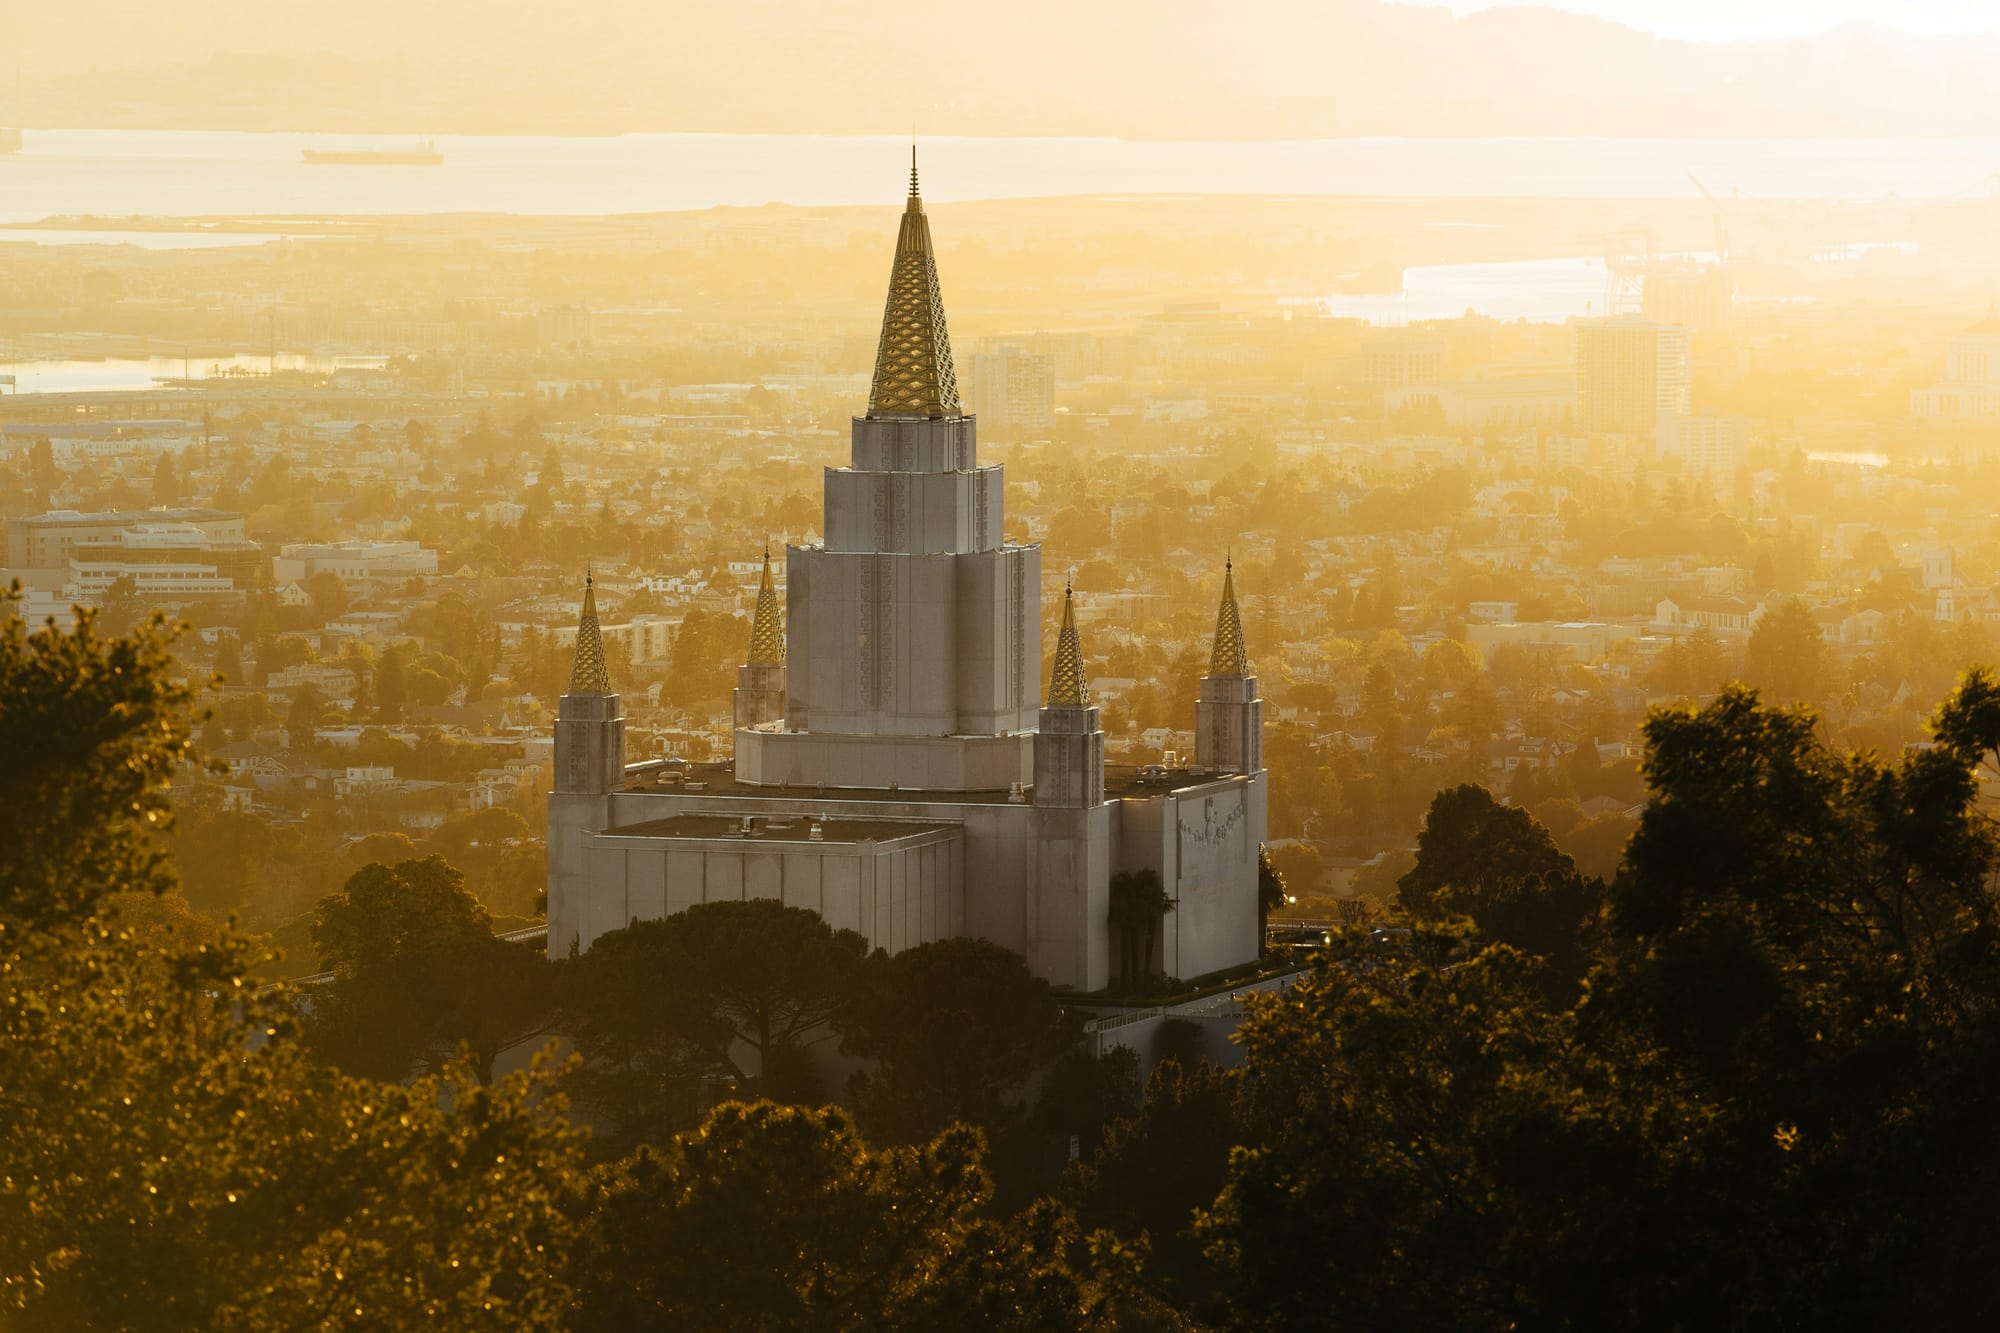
(767, 630)
(589, 674)
(1229, 657)
(914, 376)
(1066, 682)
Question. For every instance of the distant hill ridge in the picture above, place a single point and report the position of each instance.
(1254, 69)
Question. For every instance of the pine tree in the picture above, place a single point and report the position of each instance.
(166, 481)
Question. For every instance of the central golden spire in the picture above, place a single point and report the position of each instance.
(1229, 657)
(913, 370)
(1066, 683)
(767, 631)
(589, 674)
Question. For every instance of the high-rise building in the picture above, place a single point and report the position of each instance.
(894, 770)
(1708, 445)
(1630, 371)
(1014, 393)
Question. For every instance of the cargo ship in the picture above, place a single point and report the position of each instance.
(425, 154)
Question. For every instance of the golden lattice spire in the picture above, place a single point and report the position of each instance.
(1229, 658)
(1066, 684)
(589, 675)
(913, 371)
(767, 628)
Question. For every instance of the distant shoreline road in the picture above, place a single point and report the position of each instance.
(209, 173)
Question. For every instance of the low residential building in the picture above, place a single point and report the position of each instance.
(356, 563)
(90, 580)
(367, 780)
(1723, 615)
(1577, 640)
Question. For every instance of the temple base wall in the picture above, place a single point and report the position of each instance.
(897, 890)
(1032, 879)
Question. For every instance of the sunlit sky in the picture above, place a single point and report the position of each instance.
(1731, 20)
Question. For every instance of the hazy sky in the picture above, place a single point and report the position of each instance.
(1727, 20)
(1184, 69)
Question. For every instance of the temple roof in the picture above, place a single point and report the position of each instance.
(1229, 657)
(913, 370)
(589, 674)
(767, 628)
(1066, 683)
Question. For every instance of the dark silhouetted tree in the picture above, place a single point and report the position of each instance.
(1787, 656)
(957, 1028)
(1471, 842)
(418, 975)
(92, 728)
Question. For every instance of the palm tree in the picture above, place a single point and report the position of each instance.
(1138, 901)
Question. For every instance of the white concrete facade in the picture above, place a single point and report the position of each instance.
(1032, 878)
(914, 618)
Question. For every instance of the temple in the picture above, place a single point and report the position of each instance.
(893, 769)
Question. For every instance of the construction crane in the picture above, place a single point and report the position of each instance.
(1721, 224)
(1627, 259)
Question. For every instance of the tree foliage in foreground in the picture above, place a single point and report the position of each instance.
(92, 728)
(1155, 1169)
(781, 1217)
(1766, 1098)
(172, 1158)
(955, 1027)
(1499, 867)
(1770, 1106)
(722, 995)
(1473, 846)
(419, 975)
(175, 1160)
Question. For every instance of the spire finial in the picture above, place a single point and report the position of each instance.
(1066, 682)
(767, 630)
(1229, 657)
(914, 376)
(589, 674)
